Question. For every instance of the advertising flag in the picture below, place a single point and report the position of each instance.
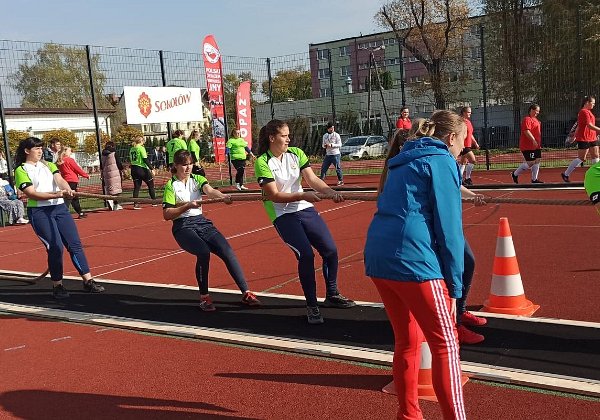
(214, 86)
(244, 112)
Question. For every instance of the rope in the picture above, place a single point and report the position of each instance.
(347, 196)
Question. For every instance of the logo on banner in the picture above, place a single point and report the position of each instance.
(144, 104)
(211, 53)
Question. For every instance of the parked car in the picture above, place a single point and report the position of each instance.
(362, 147)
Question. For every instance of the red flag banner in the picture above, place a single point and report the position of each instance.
(214, 86)
(244, 112)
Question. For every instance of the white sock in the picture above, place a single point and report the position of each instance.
(462, 169)
(521, 168)
(574, 164)
(595, 160)
(470, 167)
(535, 171)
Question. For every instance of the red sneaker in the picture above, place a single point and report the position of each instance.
(466, 336)
(206, 304)
(471, 320)
(250, 299)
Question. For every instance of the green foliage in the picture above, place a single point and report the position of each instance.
(90, 143)
(14, 138)
(56, 76)
(126, 134)
(67, 138)
(295, 84)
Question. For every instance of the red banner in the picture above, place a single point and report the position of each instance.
(244, 112)
(214, 86)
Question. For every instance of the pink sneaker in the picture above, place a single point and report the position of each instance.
(250, 299)
(471, 320)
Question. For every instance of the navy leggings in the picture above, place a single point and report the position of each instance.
(55, 227)
(467, 278)
(301, 231)
(198, 236)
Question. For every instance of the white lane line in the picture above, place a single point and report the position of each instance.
(102, 330)
(60, 338)
(15, 348)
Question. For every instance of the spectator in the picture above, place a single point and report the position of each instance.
(238, 151)
(71, 171)
(280, 169)
(51, 152)
(467, 157)
(530, 143)
(112, 170)
(403, 123)
(41, 182)
(157, 158)
(411, 256)
(586, 136)
(141, 170)
(11, 204)
(3, 166)
(332, 143)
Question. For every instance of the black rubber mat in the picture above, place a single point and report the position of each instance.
(532, 346)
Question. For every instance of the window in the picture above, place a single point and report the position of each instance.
(363, 66)
(323, 73)
(362, 46)
(345, 71)
(344, 51)
(412, 59)
(392, 61)
(389, 41)
(475, 52)
(324, 92)
(322, 54)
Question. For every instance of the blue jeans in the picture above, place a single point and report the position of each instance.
(198, 236)
(55, 227)
(332, 160)
(301, 231)
(467, 278)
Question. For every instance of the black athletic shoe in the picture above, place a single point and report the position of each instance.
(537, 181)
(338, 301)
(565, 177)
(59, 292)
(468, 181)
(92, 287)
(515, 178)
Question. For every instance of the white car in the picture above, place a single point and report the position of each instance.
(363, 147)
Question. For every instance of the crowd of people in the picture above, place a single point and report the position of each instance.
(411, 246)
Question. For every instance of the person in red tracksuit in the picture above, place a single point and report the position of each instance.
(71, 171)
(586, 137)
(530, 144)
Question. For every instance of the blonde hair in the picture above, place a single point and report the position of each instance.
(61, 154)
(137, 140)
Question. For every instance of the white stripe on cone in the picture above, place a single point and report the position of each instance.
(425, 356)
(505, 247)
(507, 285)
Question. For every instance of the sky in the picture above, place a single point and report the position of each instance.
(252, 28)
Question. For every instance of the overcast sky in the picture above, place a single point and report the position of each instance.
(255, 28)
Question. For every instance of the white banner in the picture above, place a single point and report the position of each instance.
(162, 104)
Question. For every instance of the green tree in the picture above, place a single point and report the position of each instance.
(295, 84)
(67, 137)
(56, 76)
(431, 30)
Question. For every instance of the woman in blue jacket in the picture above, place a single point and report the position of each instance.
(414, 255)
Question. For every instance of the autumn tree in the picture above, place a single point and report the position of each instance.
(56, 76)
(14, 138)
(67, 137)
(431, 30)
(126, 133)
(90, 142)
(292, 83)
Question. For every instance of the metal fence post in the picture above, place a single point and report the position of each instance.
(579, 53)
(270, 88)
(164, 83)
(5, 139)
(402, 88)
(484, 92)
(333, 116)
(95, 110)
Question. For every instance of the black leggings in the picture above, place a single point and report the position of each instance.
(75, 200)
(198, 236)
(139, 174)
(240, 167)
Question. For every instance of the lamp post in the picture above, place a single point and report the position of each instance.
(401, 56)
(373, 63)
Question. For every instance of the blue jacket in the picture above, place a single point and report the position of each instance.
(416, 233)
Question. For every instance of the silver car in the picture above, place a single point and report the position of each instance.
(363, 147)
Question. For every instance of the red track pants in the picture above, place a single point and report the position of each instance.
(416, 310)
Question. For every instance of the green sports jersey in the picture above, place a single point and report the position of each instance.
(177, 191)
(194, 149)
(173, 146)
(237, 148)
(137, 156)
(592, 183)
(286, 173)
(41, 177)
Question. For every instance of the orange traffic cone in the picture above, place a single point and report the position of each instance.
(425, 386)
(507, 295)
